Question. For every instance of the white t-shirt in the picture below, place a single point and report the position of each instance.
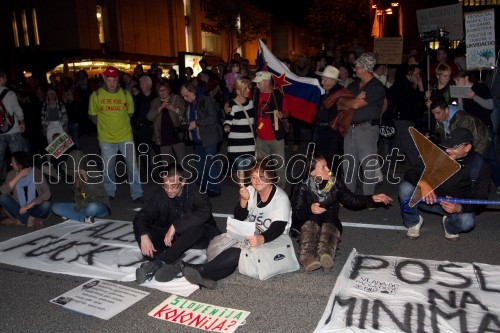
(278, 209)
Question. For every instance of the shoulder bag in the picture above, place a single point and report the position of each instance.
(269, 259)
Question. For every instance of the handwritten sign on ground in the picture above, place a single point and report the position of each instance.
(480, 39)
(394, 294)
(60, 144)
(98, 298)
(204, 316)
(104, 250)
(389, 50)
(449, 18)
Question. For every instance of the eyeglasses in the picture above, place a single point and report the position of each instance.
(171, 187)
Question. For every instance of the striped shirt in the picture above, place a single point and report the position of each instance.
(241, 138)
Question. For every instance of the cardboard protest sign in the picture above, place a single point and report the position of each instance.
(450, 18)
(389, 50)
(60, 144)
(199, 315)
(480, 39)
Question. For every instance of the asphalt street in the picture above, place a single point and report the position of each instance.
(292, 302)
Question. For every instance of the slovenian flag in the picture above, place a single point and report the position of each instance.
(301, 95)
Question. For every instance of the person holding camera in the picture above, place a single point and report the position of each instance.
(167, 112)
(317, 204)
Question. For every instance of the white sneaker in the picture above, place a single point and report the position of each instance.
(450, 237)
(414, 232)
(89, 219)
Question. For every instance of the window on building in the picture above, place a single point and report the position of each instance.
(211, 44)
(187, 28)
(25, 28)
(100, 25)
(470, 3)
(35, 26)
(14, 29)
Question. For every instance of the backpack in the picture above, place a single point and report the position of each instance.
(6, 120)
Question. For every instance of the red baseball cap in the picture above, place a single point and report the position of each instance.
(111, 72)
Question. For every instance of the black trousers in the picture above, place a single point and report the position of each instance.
(194, 238)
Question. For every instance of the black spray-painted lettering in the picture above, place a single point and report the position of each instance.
(358, 265)
(98, 231)
(426, 273)
(443, 268)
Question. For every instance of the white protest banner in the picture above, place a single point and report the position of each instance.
(106, 250)
(394, 294)
(480, 39)
(60, 144)
(448, 17)
(388, 50)
(199, 315)
(98, 298)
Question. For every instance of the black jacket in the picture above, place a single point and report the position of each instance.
(161, 212)
(459, 185)
(305, 197)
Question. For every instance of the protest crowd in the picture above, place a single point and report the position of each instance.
(189, 134)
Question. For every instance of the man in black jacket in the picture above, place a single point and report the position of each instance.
(472, 181)
(176, 219)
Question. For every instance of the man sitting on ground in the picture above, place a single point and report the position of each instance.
(177, 218)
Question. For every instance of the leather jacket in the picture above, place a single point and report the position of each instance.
(339, 193)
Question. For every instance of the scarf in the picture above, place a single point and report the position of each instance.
(321, 191)
(23, 183)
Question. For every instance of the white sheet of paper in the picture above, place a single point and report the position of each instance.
(99, 298)
(239, 230)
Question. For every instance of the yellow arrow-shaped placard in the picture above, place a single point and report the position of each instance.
(438, 166)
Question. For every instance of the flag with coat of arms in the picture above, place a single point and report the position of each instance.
(301, 95)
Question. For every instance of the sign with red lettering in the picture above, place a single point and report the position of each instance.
(60, 144)
(204, 316)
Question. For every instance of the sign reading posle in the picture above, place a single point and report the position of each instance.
(395, 294)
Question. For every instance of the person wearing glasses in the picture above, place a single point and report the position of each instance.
(177, 218)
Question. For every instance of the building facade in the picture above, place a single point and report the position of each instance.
(39, 35)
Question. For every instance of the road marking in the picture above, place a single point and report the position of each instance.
(346, 224)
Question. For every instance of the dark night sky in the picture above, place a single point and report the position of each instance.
(293, 10)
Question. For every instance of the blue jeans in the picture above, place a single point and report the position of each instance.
(74, 131)
(455, 223)
(11, 206)
(495, 166)
(208, 168)
(67, 209)
(15, 142)
(108, 152)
